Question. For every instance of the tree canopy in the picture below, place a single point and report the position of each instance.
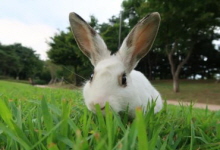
(19, 62)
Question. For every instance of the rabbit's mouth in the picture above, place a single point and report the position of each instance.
(102, 108)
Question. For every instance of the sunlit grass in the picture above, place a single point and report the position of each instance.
(56, 119)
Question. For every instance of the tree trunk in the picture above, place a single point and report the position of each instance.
(176, 70)
(51, 81)
(75, 79)
(17, 75)
(62, 80)
(176, 88)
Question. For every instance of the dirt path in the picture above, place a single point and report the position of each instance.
(42, 86)
(196, 105)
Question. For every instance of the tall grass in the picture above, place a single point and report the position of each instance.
(56, 119)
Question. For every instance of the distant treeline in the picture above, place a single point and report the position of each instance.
(20, 62)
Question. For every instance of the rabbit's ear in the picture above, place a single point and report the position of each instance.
(90, 42)
(139, 41)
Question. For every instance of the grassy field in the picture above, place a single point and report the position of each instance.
(56, 119)
(204, 91)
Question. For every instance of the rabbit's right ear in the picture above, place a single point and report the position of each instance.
(139, 41)
(90, 42)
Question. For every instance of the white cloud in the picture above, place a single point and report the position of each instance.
(35, 21)
(30, 35)
(55, 12)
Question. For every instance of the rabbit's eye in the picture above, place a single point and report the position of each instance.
(124, 80)
(91, 77)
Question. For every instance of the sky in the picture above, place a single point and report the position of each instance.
(33, 22)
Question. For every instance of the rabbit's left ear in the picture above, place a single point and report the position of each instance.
(139, 41)
(88, 40)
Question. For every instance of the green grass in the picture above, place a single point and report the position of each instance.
(56, 119)
(204, 91)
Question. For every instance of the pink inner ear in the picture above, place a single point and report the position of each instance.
(85, 40)
(143, 39)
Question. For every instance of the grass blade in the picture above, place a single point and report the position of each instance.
(14, 136)
(47, 134)
(142, 133)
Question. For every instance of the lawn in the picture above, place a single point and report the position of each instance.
(204, 91)
(56, 119)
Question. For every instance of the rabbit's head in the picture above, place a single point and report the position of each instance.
(110, 81)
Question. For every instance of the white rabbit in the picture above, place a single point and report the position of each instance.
(114, 80)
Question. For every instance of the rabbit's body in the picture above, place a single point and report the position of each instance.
(147, 93)
(105, 88)
(114, 80)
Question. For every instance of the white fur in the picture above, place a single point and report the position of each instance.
(105, 86)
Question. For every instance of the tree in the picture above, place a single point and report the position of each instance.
(110, 33)
(204, 60)
(19, 62)
(183, 23)
(9, 60)
(64, 51)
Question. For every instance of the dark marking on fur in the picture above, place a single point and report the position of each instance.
(80, 17)
(144, 19)
(147, 16)
(93, 32)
